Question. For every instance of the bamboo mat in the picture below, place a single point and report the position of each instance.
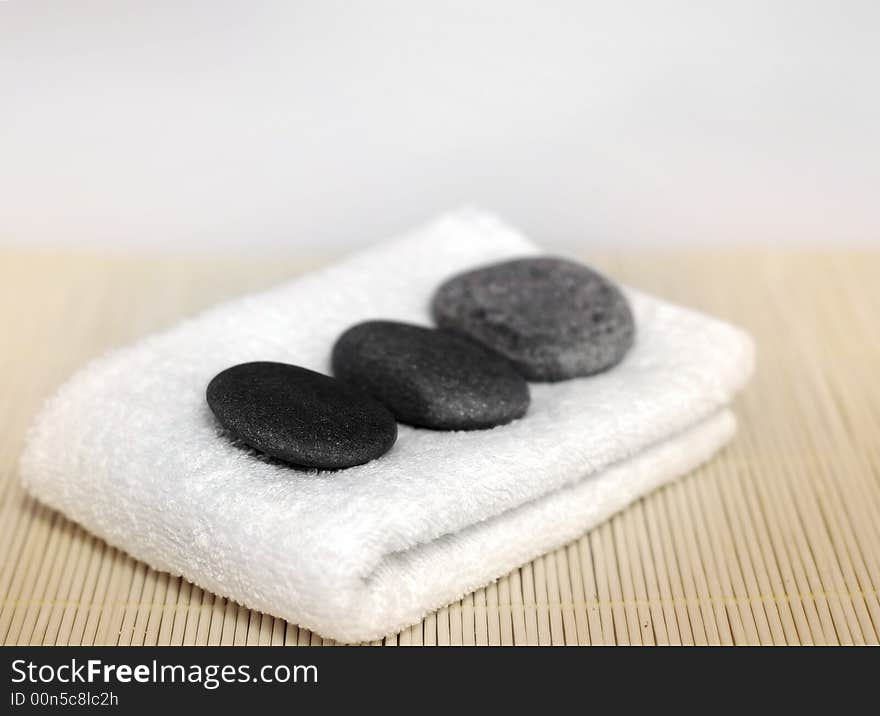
(776, 541)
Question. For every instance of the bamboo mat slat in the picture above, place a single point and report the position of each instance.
(775, 541)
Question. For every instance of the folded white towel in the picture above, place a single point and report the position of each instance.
(129, 448)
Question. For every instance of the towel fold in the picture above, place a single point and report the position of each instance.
(129, 448)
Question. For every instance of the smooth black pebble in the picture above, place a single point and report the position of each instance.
(300, 416)
(430, 378)
(553, 319)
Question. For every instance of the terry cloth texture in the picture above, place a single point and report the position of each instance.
(129, 448)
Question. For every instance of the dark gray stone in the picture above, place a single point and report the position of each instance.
(300, 416)
(429, 378)
(553, 319)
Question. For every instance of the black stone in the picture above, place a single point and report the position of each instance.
(553, 319)
(300, 416)
(429, 378)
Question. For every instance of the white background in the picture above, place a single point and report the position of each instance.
(311, 126)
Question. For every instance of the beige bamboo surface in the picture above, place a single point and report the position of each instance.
(775, 541)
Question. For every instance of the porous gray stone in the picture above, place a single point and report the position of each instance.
(554, 319)
(430, 378)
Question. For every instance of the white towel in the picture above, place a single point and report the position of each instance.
(129, 449)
